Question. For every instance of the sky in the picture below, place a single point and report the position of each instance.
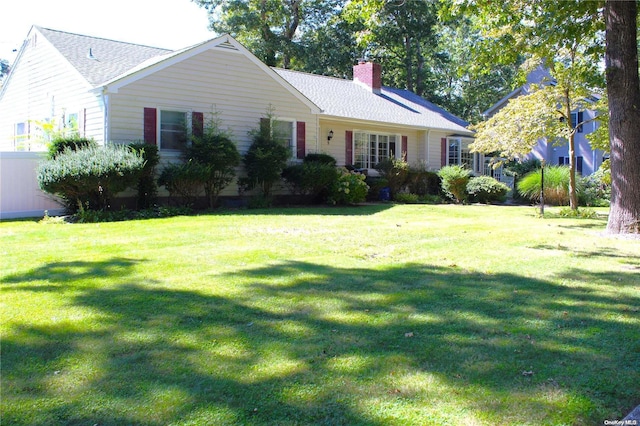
(170, 24)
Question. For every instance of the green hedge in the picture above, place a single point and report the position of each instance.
(89, 178)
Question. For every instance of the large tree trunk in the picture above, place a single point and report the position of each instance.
(623, 86)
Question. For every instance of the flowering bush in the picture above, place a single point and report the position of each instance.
(349, 188)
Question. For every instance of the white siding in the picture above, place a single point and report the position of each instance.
(217, 80)
(44, 86)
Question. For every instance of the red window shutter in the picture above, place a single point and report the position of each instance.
(443, 152)
(348, 148)
(301, 133)
(150, 126)
(405, 145)
(197, 124)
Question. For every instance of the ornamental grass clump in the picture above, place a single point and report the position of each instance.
(90, 177)
(454, 182)
(556, 185)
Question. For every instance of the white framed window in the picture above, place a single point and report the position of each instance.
(173, 129)
(283, 130)
(459, 154)
(370, 149)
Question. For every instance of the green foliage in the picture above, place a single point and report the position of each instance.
(423, 182)
(556, 185)
(217, 156)
(320, 158)
(91, 176)
(311, 178)
(595, 190)
(406, 198)
(268, 28)
(577, 213)
(349, 188)
(375, 183)
(73, 142)
(395, 171)
(264, 161)
(183, 181)
(485, 189)
(146, 187)
(454, 182)
(96, 216)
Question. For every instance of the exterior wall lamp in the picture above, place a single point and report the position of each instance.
(329, 135)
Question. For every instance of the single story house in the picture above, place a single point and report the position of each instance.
(588, 160)
(120, 92)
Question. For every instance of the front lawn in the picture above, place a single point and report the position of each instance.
(373, 315)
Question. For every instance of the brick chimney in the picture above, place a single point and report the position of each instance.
(368, 74)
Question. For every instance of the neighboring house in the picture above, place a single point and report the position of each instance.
(588, 160)
(120, 92)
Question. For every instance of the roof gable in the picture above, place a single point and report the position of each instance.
(98, 59)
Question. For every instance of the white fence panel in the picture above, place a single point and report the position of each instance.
(19, 192)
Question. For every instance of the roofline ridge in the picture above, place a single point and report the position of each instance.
(101, 38)
(312, 74)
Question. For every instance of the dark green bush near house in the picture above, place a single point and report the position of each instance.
(183, 181)
(349, 188)
(89, 178)
(146, 186)
(556, 185)
(320, 158)
(264, 161)
(485, 189)
(375, 183)
(454, 182)
(73, 142)
(407, 198)
(395, 171)
(423, 182)
(311, 179)
(217, 156)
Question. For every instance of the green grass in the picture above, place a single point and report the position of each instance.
(375, 315)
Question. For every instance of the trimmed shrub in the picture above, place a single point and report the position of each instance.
(454, 182)
(407, 198)
(349, 188)
(320, 158)
(395, 171)
(556, 185)
(423, 182)
(73, 142)
(313, 179)
(183, 181)
(90, 177)
(146, 186)
(485, 189)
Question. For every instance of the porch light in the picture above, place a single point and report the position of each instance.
(329, 136)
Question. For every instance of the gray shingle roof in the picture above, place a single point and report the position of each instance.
(344, 98)
(110, 58)
(337, 97)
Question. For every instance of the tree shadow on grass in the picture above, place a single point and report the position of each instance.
(311, 344)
